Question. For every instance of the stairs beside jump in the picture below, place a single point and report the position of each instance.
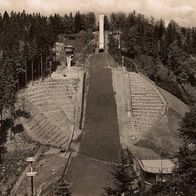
(147, 104)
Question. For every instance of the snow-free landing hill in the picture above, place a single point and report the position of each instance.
(148, 116)
(163, 137)
(54, 105)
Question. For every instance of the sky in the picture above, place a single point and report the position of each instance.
(182, 11)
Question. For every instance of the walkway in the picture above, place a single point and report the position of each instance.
(90, 170)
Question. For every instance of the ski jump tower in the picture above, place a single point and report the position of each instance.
(101, 33)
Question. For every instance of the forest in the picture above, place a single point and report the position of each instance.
(26, 42)
(166, 54)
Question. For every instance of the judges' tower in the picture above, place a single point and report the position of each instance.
(101, 33)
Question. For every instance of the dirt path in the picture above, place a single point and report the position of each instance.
(90, 170)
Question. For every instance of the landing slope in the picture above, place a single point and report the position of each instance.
(101, 138)
(151, 130)
(163, 136)
(90, 170)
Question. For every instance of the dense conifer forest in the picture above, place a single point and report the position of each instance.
(26, 42)
(166, 54)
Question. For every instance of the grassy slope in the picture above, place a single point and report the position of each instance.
(14, 161)
(163, 137)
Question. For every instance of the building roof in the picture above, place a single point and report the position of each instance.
(69, 48)
(60, 44)
(165, 166)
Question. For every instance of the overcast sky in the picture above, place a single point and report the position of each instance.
(182, 11)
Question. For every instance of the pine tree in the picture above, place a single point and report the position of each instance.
(159, 29)
(188, 126)
(124, 179)
(2, 92)
(78, 22)
(113, 22)
(120, 20)
(70, 24)
(130, 20)
(171, 32)
(106, 23)
(176, 56)
(193, 42)
(62, 188)
(90, 21)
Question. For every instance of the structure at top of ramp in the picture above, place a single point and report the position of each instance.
(101, 33)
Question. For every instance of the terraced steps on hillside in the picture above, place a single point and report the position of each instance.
(41, 129)
(143, 104)
(51, 110)
(65, 94)
(62, 91)
(52, 106)
(146, 102)
(146, 108)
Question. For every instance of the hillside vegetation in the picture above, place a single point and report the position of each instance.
(26, 42)
(165, 54)
(26, 54)
(164, 137)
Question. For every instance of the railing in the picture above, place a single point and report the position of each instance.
(165, 104)
(57, 104)
(155, 169)
(82, 102)
(34, 110)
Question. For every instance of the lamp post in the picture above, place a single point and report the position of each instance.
(131, 120)
(119, 41)
(123, 64)
(123, 54)
(123, 60)
(31, 174)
